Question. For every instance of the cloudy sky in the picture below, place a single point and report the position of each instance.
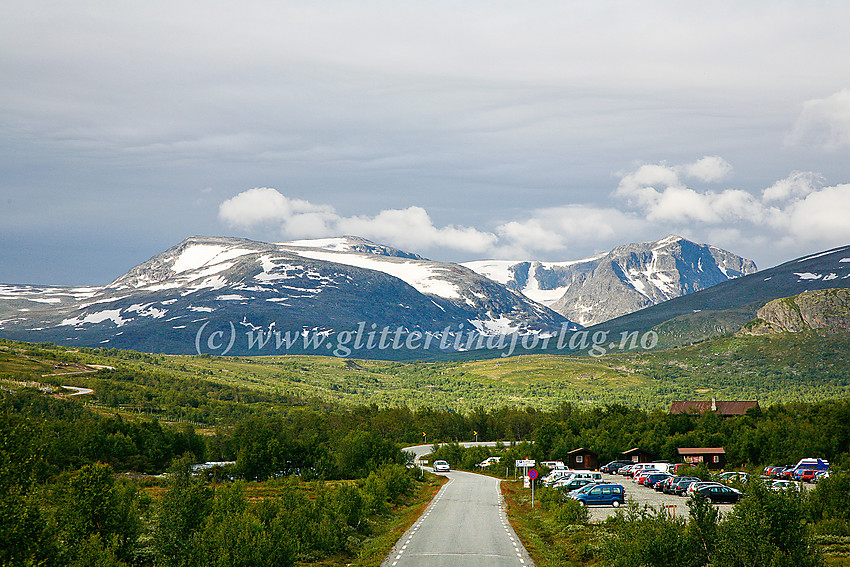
(459, 130)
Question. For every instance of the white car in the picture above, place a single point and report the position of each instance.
(441, 466)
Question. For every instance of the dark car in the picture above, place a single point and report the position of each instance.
(654, 478)
(574, 484)
(613, 466)
(720, 494)
(680, 486)
(600, 494)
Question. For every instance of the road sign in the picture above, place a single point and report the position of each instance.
(525, 463)
(532, 474)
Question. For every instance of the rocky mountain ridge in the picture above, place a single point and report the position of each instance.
(292, 292)
(826, 309)
(626, 279)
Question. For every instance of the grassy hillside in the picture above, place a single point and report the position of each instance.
(773, 368)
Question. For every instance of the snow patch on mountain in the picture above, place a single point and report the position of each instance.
(422, 277)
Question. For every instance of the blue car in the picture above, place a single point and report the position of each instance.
(600, 495)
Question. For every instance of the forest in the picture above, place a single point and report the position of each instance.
(107, 479)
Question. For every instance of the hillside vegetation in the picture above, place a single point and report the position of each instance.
(772, 368)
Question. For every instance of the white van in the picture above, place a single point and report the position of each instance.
(590, 475)
(555, 476)
(640, 467)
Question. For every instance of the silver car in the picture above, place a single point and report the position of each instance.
(441, 466)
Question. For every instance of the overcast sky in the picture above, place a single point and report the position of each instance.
(458, 130)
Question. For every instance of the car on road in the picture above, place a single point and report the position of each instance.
(720, 494)
(441, 466)
(600, 495)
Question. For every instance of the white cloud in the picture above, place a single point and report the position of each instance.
(263, 205)
(795, 210)
(824, 122)
(797, 185)
(709, 169)
(649, 202)
(413, 228)
(823, 216)
(406, 228)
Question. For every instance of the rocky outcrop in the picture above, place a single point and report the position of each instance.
(827, 309)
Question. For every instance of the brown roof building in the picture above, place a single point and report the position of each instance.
(713, 457)
(582, 458)
(638, 455)
(723, 409)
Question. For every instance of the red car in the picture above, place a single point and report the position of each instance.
(806, 475)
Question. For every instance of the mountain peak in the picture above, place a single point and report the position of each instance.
(628, 278)
(350, 243)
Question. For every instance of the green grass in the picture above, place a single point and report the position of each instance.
(770, 369)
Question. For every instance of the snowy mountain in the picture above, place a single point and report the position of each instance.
(207, 293)
(624, 280)
(726, 307)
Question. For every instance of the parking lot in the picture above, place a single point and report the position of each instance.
(677, 505)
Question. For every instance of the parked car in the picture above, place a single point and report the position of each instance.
(776, 472)
(626, 470)
(781, 485)
(804, 475)
(643, 476)
(820, 475)
(640, 467)
(815, 464)
(732, 476)
(768, 470)
(441, 466)
(653, 478)
(489, 462)
(679, 486)
(719, 494)
(664, 485)
(697, 485)
(568, 485)
(555, 476)
(613, 466)
(600, 495)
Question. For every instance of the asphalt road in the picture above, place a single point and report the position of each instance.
(464, 526)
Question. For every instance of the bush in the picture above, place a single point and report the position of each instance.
(571, 513)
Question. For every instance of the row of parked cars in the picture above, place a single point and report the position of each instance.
(662, 477)
(586, 487)
(715, 491)
(800, 474)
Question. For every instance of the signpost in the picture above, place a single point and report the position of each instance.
(524, 464)
(532, 474)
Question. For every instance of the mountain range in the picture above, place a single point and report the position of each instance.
(726, 307)
(624, 280)
(349, 296)
(276, 294)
